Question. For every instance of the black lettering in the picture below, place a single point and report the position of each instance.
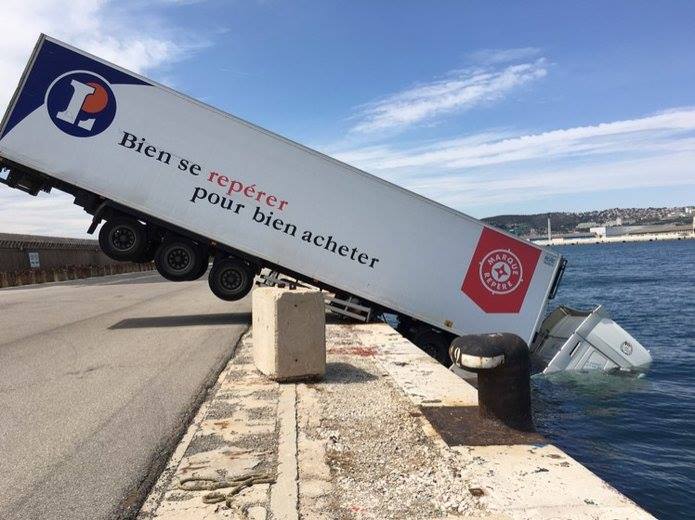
(214, 196)
(290, 229)
(194, 169)
(277, 224)
(128, 140)
(161, 156)
(306, 236)
(198, 197)
(374, 261)
(330, 243)
(149, 148)
(139, 147)
(258, 215)
(183, 165)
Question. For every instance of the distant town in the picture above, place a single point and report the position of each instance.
(601, 225)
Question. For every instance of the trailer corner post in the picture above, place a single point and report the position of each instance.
(504, 376)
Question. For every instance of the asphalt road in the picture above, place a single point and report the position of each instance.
(98, 378)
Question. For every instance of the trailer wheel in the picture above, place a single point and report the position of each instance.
(123, 239)
(148, 255)
(202, 267)
(435, 345)
(230, 278)
(178, 259)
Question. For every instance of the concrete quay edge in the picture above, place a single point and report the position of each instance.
(328, 464)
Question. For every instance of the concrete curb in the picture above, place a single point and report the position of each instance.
(234, 432)
(283, 495)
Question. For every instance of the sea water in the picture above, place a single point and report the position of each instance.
(637, 433)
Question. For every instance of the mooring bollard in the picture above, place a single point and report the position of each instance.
(504, 376)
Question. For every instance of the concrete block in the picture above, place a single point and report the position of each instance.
(289, 333)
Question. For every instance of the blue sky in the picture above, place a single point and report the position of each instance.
(505, 108)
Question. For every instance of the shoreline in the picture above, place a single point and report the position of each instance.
(650, 237)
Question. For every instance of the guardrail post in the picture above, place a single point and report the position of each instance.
(504, 376)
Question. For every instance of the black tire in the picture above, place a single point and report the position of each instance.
(230, 278)
(148, 255)
(178, 259)
(435, 345)
(123, 239)
(203, 267)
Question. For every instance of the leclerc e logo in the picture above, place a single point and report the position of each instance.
(500, 272)
(81, 104)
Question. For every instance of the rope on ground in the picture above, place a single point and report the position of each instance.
(236, 485)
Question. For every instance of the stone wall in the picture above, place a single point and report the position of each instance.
(58, 259)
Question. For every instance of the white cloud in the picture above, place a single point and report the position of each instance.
(126, 33)
(542, 183)
(460, 90)
(633, 135)
(496, 167)
(128, 36)
(492, 56)
(51, 214)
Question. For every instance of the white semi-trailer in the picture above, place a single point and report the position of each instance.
(178, 181)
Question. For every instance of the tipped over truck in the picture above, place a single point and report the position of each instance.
(179, 182)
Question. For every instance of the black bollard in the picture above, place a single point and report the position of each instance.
(504, 376)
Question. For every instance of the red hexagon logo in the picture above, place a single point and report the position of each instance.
(500, 272)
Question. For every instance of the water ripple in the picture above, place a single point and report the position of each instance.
(636, 433)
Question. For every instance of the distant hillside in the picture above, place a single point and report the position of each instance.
(573, 222)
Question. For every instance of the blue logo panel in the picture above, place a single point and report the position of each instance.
(55, 62)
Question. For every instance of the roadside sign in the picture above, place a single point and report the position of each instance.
(34, 262)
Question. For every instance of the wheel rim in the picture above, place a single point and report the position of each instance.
(123, 238)
(178, 258)
(231, 280)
